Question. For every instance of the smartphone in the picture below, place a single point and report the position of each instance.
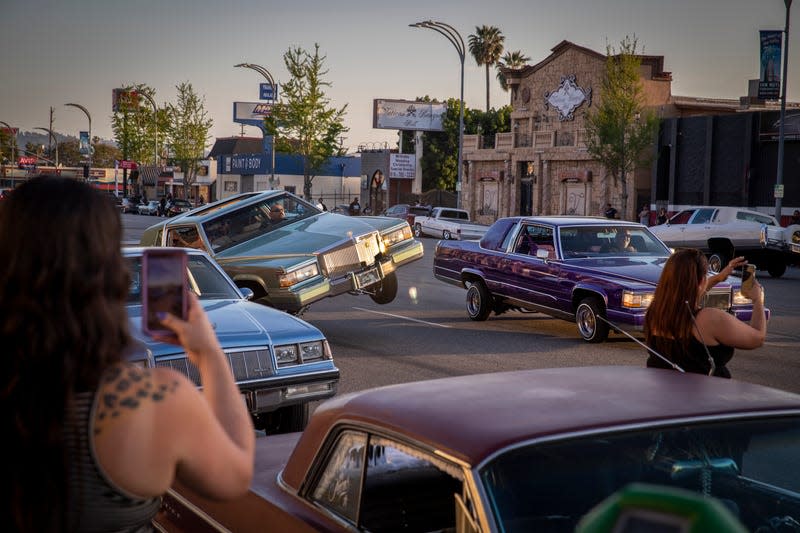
(748, 276)
(164, 287)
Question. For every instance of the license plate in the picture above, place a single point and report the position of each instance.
(795, 248)
(364, 279)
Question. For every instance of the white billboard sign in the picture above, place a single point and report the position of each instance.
(402, 166)
(408, 115)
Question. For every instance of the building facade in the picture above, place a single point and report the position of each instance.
(542, 166)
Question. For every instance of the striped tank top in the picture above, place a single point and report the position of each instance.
(96, 503)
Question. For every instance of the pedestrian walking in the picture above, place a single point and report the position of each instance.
(661, 218)
(644, 215)
(610, 212)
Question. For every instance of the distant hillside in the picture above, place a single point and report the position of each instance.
(25, 137)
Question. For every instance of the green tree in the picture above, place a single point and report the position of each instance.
(619, 129)
(486, 46)
(134, 125)
(6, 143)
(187, 131)
(69, 153)
(303, 120)
(105, 155)
(511, 60)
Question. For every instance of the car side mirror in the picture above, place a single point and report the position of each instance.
(247, 293)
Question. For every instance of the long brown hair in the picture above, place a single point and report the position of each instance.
(63, 322)
(668, 315)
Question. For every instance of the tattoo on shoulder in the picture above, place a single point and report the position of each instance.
(126, 387)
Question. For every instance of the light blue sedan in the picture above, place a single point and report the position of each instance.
(280, 362)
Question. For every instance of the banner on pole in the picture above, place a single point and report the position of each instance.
(769, 82)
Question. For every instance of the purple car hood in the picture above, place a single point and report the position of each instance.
(637, 269)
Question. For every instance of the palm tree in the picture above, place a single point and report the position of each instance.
(486, 46)
(513, 60)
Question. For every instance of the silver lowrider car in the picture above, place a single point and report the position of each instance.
(290, 253)
(280, 362)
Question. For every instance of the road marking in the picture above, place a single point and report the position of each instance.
(401, 317)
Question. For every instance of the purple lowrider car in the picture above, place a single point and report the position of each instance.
(583, 269)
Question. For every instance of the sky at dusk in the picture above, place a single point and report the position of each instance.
(58, 51)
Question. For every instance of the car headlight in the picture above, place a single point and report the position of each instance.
(286, 355)
(311, 351)
(636, 299)
(293, 354)
(299, 274)
(393, 237)
(740, 299)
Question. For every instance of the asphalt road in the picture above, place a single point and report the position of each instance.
(425, 333)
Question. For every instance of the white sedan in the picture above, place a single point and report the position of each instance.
(724, 232)
(150, 208)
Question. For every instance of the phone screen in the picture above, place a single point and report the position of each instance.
(165, 285)
(748, 276)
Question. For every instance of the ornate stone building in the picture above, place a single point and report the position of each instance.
(542, 166)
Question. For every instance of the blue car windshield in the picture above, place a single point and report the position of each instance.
(234, 227)
(204, 279)
(608, 240)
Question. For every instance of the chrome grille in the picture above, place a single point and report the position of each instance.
(718, 299)
(246, 365)
(350, 256)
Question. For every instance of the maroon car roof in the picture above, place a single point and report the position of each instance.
(471, 417)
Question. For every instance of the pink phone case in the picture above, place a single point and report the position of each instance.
(164, 287)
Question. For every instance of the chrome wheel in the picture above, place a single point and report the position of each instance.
(590, 327)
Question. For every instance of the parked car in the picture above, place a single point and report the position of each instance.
(178, 206)
(726, 232)
(569, 268)
(448, 223)
(407, 212)
(130, 204)
(533, 450)
(150, 208)
(280, 362)
(293, 261)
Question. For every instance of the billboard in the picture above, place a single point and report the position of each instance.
(407, 115)
(124, 100)
(251, 113)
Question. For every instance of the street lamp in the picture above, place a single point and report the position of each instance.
(264, 72)
(455, 39)
(13, 140)
(53, 136)
(779, 179)
(86, 112)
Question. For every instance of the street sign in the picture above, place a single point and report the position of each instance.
(130, 165)
(267, 91)
(779, 190)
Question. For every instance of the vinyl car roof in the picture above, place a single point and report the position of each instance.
(472, 417)
(571, 220)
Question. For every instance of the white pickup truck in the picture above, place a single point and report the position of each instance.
(448, 223)
(725, 232)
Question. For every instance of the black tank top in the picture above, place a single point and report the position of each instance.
(96, 503)
(694, 360)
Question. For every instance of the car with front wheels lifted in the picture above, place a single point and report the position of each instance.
(599, 273)
(290, 253)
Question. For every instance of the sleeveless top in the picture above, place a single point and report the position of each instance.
(96, 503)
(694, 360)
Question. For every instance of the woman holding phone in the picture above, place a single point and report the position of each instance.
(699, 339)
(93, 441)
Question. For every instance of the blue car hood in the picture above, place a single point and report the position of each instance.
(237, 323)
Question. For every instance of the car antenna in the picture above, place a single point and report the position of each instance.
(713, 367)
(643, 345)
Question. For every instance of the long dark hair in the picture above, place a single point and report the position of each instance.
(63, 322)
(667, 316)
